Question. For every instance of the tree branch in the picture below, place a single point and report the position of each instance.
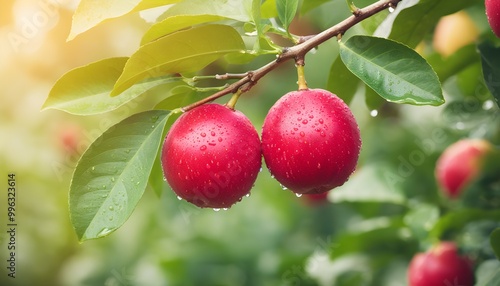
(297, 52)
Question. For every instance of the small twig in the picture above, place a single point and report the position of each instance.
(306, 44)
(230, 76)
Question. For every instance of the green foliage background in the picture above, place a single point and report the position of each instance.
(365, 234)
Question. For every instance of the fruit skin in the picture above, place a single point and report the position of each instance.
(211, 156)
(310, 141)
(460, 164)
(440, 266)
(454, 32)
(493, 15)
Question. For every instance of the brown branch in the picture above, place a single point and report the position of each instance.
(306, 44)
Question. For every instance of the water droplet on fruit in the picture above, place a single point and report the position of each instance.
(179, 198)
(203, 147)
(225, 209)
(302, 133)
(164, 179)
(304, 121)
(374, 113)
(111, 218)
(93, 169)
(203, 134)
(322, 134)
(212, 133)
(320, 121)
(247, 195)
(111, 208)
(220, 139)
(208, 166)
(460, 125)
(311, 116)
(391, 9)
(283, 187)
(216, 209)
(298, 195)
(299, 112)
(212, 143)
(319, 166)
(112, 179)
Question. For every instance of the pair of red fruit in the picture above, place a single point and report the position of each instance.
(310, 142)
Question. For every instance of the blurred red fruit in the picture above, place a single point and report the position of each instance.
(440, 266)
(459, 165)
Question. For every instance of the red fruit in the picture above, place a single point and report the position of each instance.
(211, 156)
(493, 15)
(310, 141)
(459, 165)
(440, 266)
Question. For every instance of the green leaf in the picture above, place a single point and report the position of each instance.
(488, 273)
(310, 5)
(455, 63)
(176, 23)
(240, 10)
(112, 174)
(268, 9)
(421, 218)
(373, 100)
(184, 51)
(157, 181)
(341, 81)
(181, 96)
(86, 90)
(395, 71)
(414, 19)
(375, 236)
(90, 13)
(490, 59)
(495, 242)
(367, 185)
(456, 220)
(286, 11)
(194, 12)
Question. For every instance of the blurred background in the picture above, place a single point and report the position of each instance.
(359, 236)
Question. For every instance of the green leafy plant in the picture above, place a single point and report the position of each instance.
(383, 53)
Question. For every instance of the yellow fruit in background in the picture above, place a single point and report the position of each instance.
(453, 32)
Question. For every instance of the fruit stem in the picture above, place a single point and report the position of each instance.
(301, 75)
(232, 102)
